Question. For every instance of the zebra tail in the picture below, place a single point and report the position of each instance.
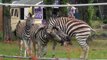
(93, 31)
(92, 36)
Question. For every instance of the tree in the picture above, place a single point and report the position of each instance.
(6, 21)
(87, 12)
(48, 9)
(83, 10)
(91, 12)
(63, 10)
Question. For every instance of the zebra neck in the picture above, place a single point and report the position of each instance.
(27, 29)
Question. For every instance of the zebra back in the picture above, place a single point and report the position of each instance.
(19, 29)
(68, 25)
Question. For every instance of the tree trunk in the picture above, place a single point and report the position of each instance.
(6, 22)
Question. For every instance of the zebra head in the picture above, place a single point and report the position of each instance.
(29, 20)
(57, 32)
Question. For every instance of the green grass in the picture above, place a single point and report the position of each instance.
(98, 50)
(8, 49)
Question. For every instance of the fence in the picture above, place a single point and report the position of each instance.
(21, 57)
(91, 4)
(6, 4)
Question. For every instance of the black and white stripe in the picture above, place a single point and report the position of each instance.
(73, 27)
(38, 35)
(18, 32)
(25, 31)
(43, 37)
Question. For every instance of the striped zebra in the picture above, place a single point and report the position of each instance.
(73, 27)
(38, 35)
(25, 31)
(18, 32)
(43, 37)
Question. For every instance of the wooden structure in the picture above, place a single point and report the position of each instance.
(20, 13)
(15, 17)
(1, 18)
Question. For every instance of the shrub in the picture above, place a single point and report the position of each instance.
(96, 24)
(105, 21)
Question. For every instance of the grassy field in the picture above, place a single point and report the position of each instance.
(98, 50)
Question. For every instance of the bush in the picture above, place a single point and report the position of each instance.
(96, 24)
(105, 21)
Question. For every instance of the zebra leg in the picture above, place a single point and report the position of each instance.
(34, 47)
(43, 51)
(53, 48)
(85, 47)
(31, 46)
(39, 49)
(21, 47)
(27, 50)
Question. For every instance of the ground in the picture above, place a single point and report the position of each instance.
(98, 50)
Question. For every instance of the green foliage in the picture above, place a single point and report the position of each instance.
(91, 12)
(6, 1)
(63, 1)
(96, 24)
(63, 10)
(48, 1)
(105, 21)
(7, 9)
(1, 36)
(48, 9)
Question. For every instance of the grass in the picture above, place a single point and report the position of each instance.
(98, 50)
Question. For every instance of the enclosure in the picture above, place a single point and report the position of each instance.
(94, 14)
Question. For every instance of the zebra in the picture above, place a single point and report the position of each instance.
(43, 37)
(18, 32)
(73, 27)
(38, 35)
(24, 31)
